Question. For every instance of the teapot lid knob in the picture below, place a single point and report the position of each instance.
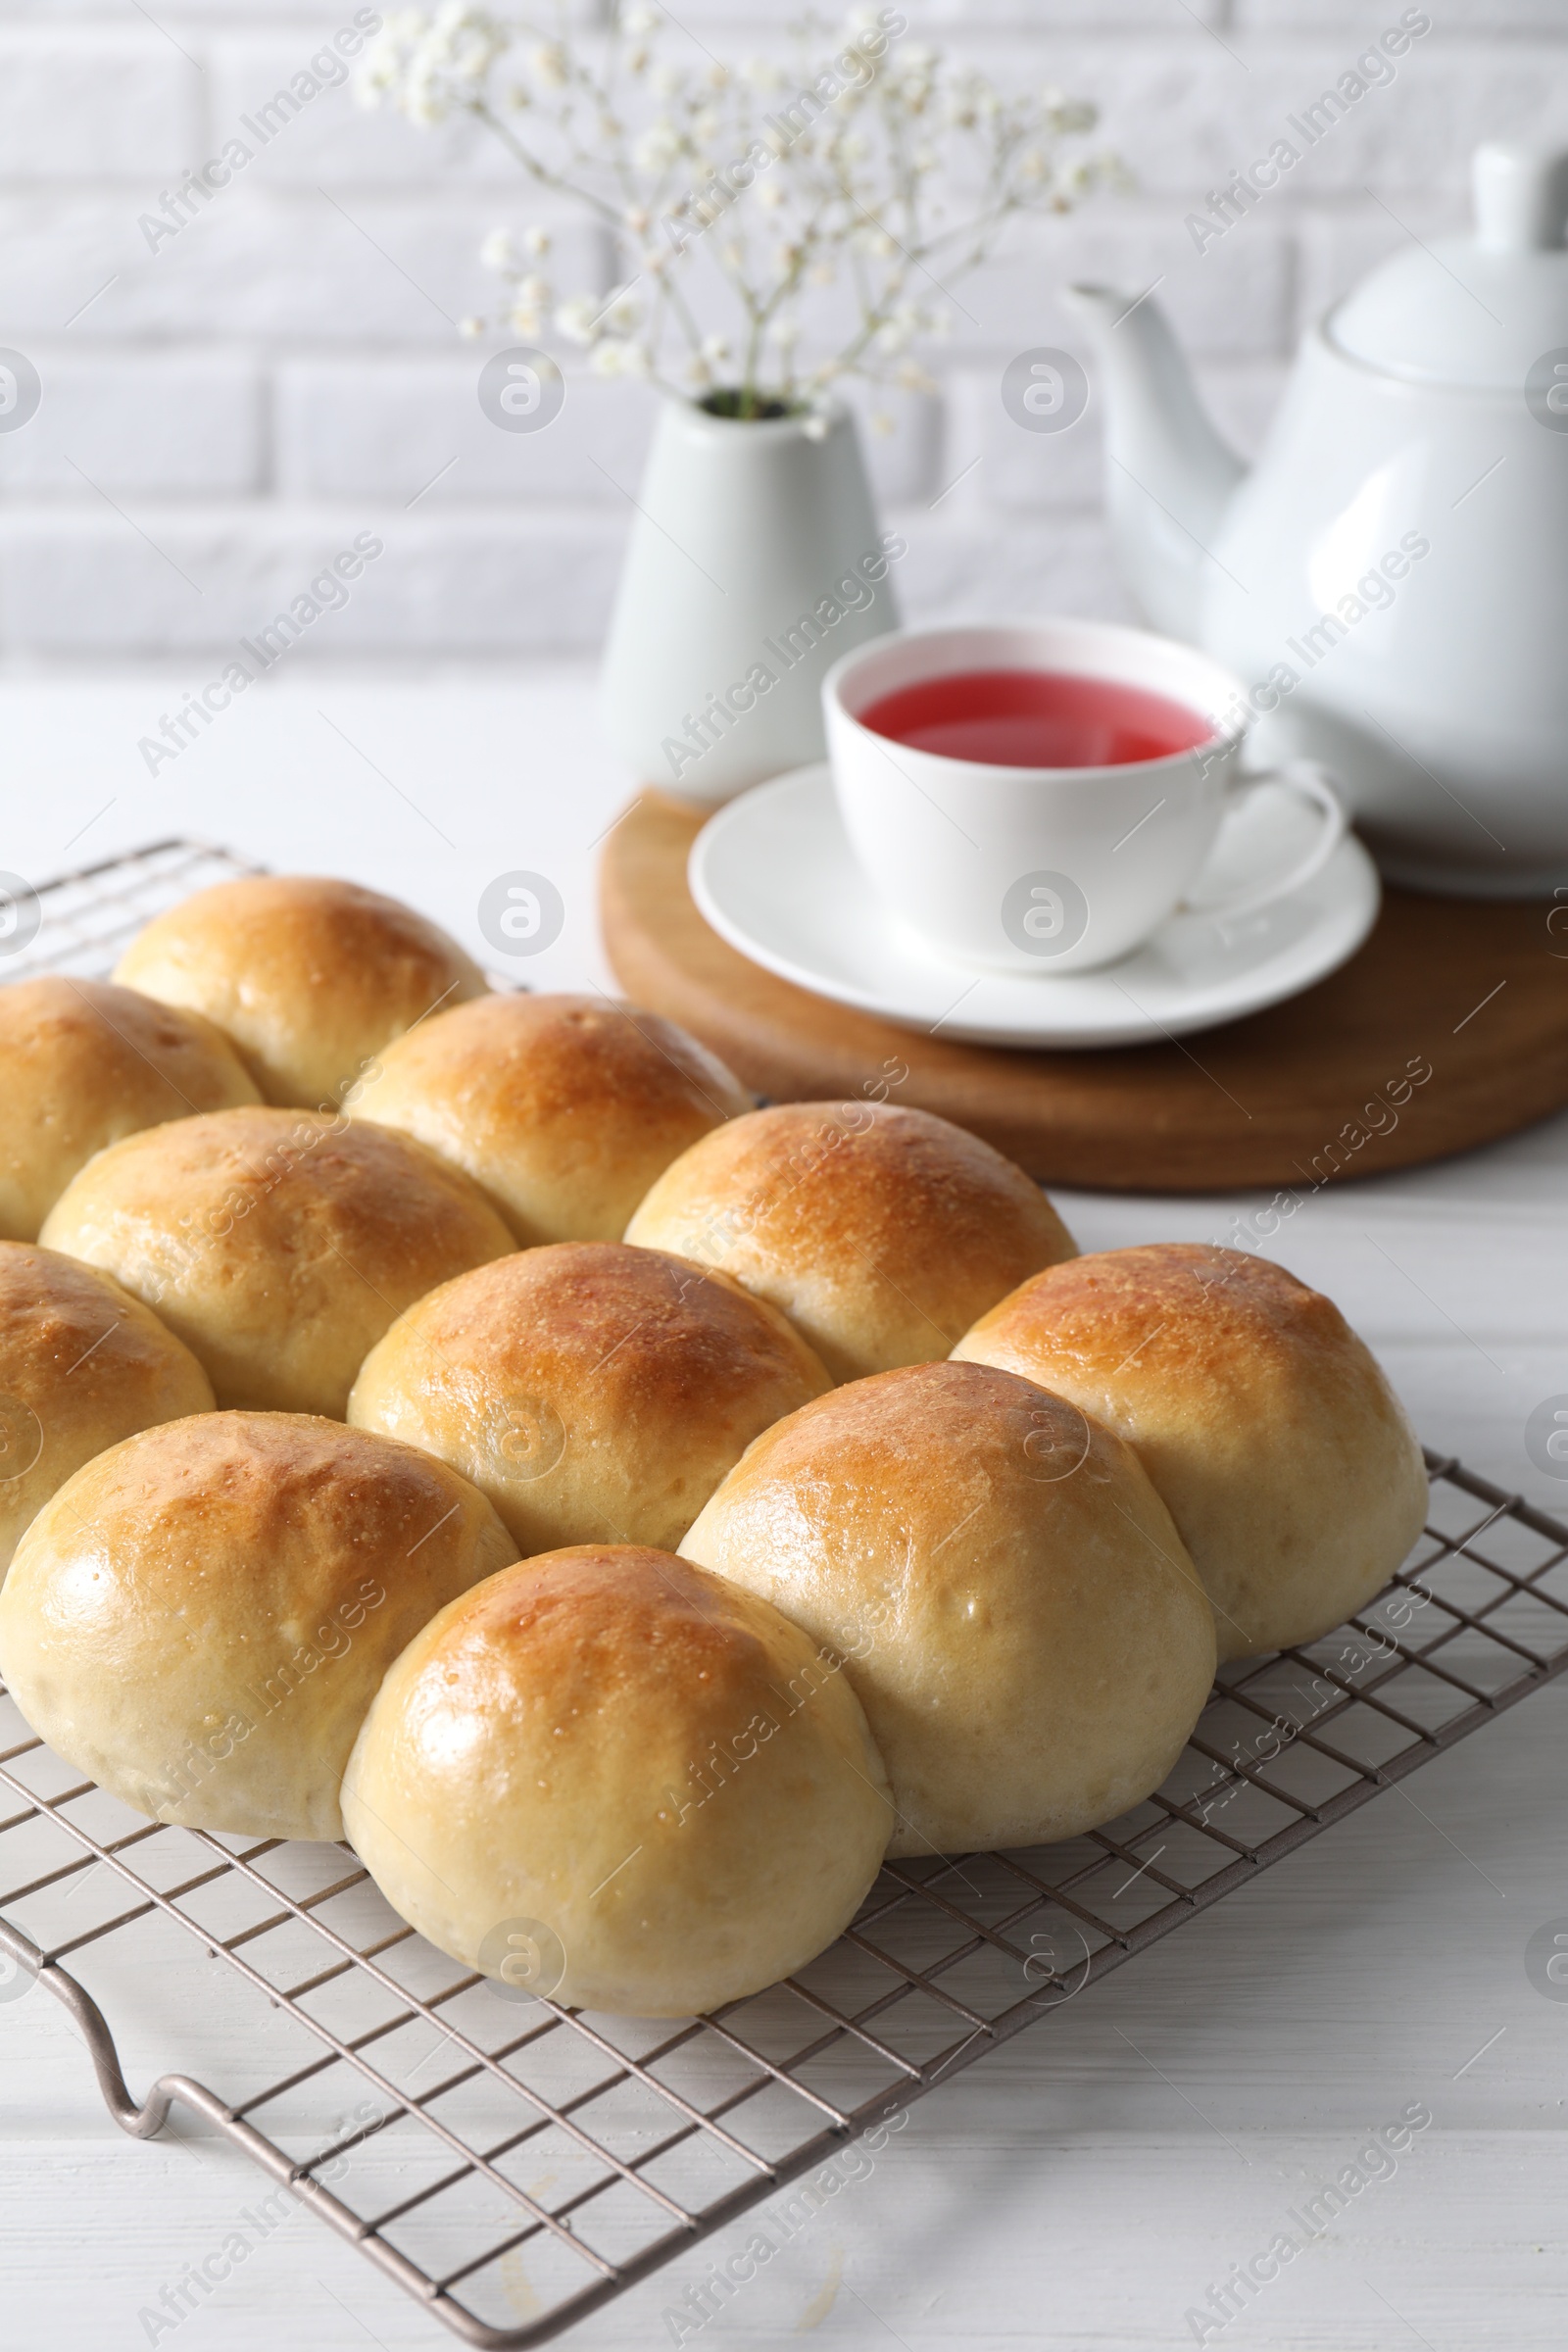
(1521, 196)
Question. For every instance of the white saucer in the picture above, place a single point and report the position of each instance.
(774, 875)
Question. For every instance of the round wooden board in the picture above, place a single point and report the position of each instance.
(1469, 991)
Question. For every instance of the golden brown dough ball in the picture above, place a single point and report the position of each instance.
(1283, 1455)
(1021, 1622)
(82, 1364)
(201, 1617)
(609, 1779)
(597, 1393)
(881, 1232)
(310, 977)
(81, 1064)
(563, 1108)
(278, 1245)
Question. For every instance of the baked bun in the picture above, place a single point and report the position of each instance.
(200, 1618)
(277, 1243)
(311, 978)
(881, 1232)
(608, 1778)
(563, 1108)
(82, 1364)
(596, 1394)
(1020, 1620)
(81, 1064)
(1283, 1455)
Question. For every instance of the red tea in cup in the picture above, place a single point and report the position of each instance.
(1035, 718)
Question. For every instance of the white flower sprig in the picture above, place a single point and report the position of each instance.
(742, 199)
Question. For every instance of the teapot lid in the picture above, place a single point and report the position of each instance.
(1477, 312)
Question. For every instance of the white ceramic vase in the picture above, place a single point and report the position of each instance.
(755, 560)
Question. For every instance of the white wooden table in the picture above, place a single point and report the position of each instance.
(1083, 2189)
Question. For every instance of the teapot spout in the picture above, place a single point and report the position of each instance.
(1169, 475)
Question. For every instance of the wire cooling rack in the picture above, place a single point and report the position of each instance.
(80, 923)
(535, 2159)
(533, 2162)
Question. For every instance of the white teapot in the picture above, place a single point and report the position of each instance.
(1391, 580)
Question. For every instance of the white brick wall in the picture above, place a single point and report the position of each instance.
(221, 416)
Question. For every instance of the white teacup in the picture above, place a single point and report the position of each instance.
(1051, 869)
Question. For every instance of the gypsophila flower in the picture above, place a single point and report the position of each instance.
(658, 147)
(867, 149)
(615, 357)
(578, 319)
